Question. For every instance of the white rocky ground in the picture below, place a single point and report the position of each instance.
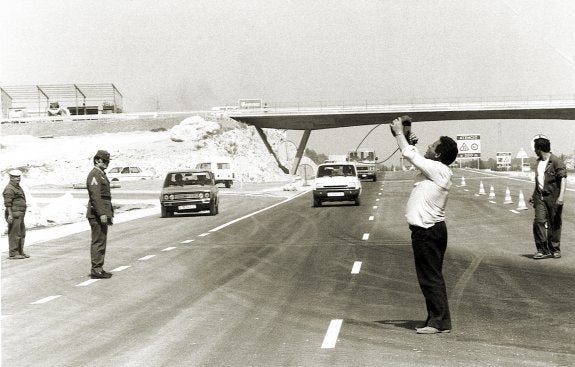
(66, 160)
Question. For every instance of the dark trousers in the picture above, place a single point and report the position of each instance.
(98, 246)
(16, 236)
(547, 224)
(429, 245)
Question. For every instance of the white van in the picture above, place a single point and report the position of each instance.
(221, 168)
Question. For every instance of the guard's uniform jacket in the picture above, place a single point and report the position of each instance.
(100, 197)
(14, 197)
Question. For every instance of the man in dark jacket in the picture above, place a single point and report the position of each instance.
(100, 213)
(15, 203)
(547, 199)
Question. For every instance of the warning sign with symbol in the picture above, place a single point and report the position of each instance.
(469, 146)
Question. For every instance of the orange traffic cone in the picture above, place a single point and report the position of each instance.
(481, 188)
(463, 182)
(491, 192)
(508, 199)
(521, 205)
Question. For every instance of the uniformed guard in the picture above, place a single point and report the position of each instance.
(15, 203)
(100, 213)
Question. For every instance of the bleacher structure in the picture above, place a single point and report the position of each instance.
(79, 99)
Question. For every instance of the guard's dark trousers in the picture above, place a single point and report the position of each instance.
(98, 246)
(429, 245)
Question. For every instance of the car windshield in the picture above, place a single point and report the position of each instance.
(187, 179)
(336, 170)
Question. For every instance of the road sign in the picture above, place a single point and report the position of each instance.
(504, 158)
(250, 104)
(522, 154)
(469, 146)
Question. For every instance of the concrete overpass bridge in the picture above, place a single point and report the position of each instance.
(329, 117)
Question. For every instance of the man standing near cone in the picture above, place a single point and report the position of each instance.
(547, 199)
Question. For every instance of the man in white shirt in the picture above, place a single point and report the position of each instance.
(425, 214)
(547, 199)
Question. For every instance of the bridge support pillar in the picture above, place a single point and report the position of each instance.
(269, 147)
(300, 151)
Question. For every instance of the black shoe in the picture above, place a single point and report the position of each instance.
(25, 255)
(100, 275)
(542, 255)
(16, 257)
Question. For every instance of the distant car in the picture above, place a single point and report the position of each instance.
(336, 182)
(222, 169)
(187, 191)
(128, 173)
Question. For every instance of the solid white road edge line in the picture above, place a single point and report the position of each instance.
(356, 267)
(46, 299)
(256, 212)
(332, 333)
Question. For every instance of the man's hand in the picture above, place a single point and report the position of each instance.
(104, 219)
(412, 139)
(10, 219)
(396, 127)
(559, 201)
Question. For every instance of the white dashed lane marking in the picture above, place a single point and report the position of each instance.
(120, 268)
(356, 267)
(371, 217)
(375, 207)
(331, 335)
(169, 248)
(365, 236)
(146, 257)
(46, 299)
(87, 282)
(187, 241)
(203, 234)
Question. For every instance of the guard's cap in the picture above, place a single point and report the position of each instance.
(103, 154)
(15, 173)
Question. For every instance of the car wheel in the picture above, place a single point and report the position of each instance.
(357, 201)
(164, 212)
(228, 184)
(316, 202)
(374, 178)
(213, 209)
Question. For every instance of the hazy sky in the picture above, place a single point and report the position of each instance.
(193, 55)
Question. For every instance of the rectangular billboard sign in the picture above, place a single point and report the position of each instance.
(250, 104)
(503, 158)
(469, 146)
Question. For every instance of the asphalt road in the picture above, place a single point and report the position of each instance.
(294, 285)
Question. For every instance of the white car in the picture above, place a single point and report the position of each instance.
(336, 182)
(128, 173)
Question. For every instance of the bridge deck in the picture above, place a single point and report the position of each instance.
(314, 118)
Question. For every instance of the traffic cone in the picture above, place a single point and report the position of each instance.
(463, 181)
(521, 205)
(491, 192)
(508, 199)
(481, 188)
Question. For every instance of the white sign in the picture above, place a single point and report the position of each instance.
(522, 154)
(250, 104)
(504, 158)
(469, 146)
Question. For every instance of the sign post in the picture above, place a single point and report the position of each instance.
(521, 154)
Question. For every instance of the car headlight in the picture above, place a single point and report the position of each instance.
(201, 195)
(172, 197)
(166, 197)
(207, 195)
